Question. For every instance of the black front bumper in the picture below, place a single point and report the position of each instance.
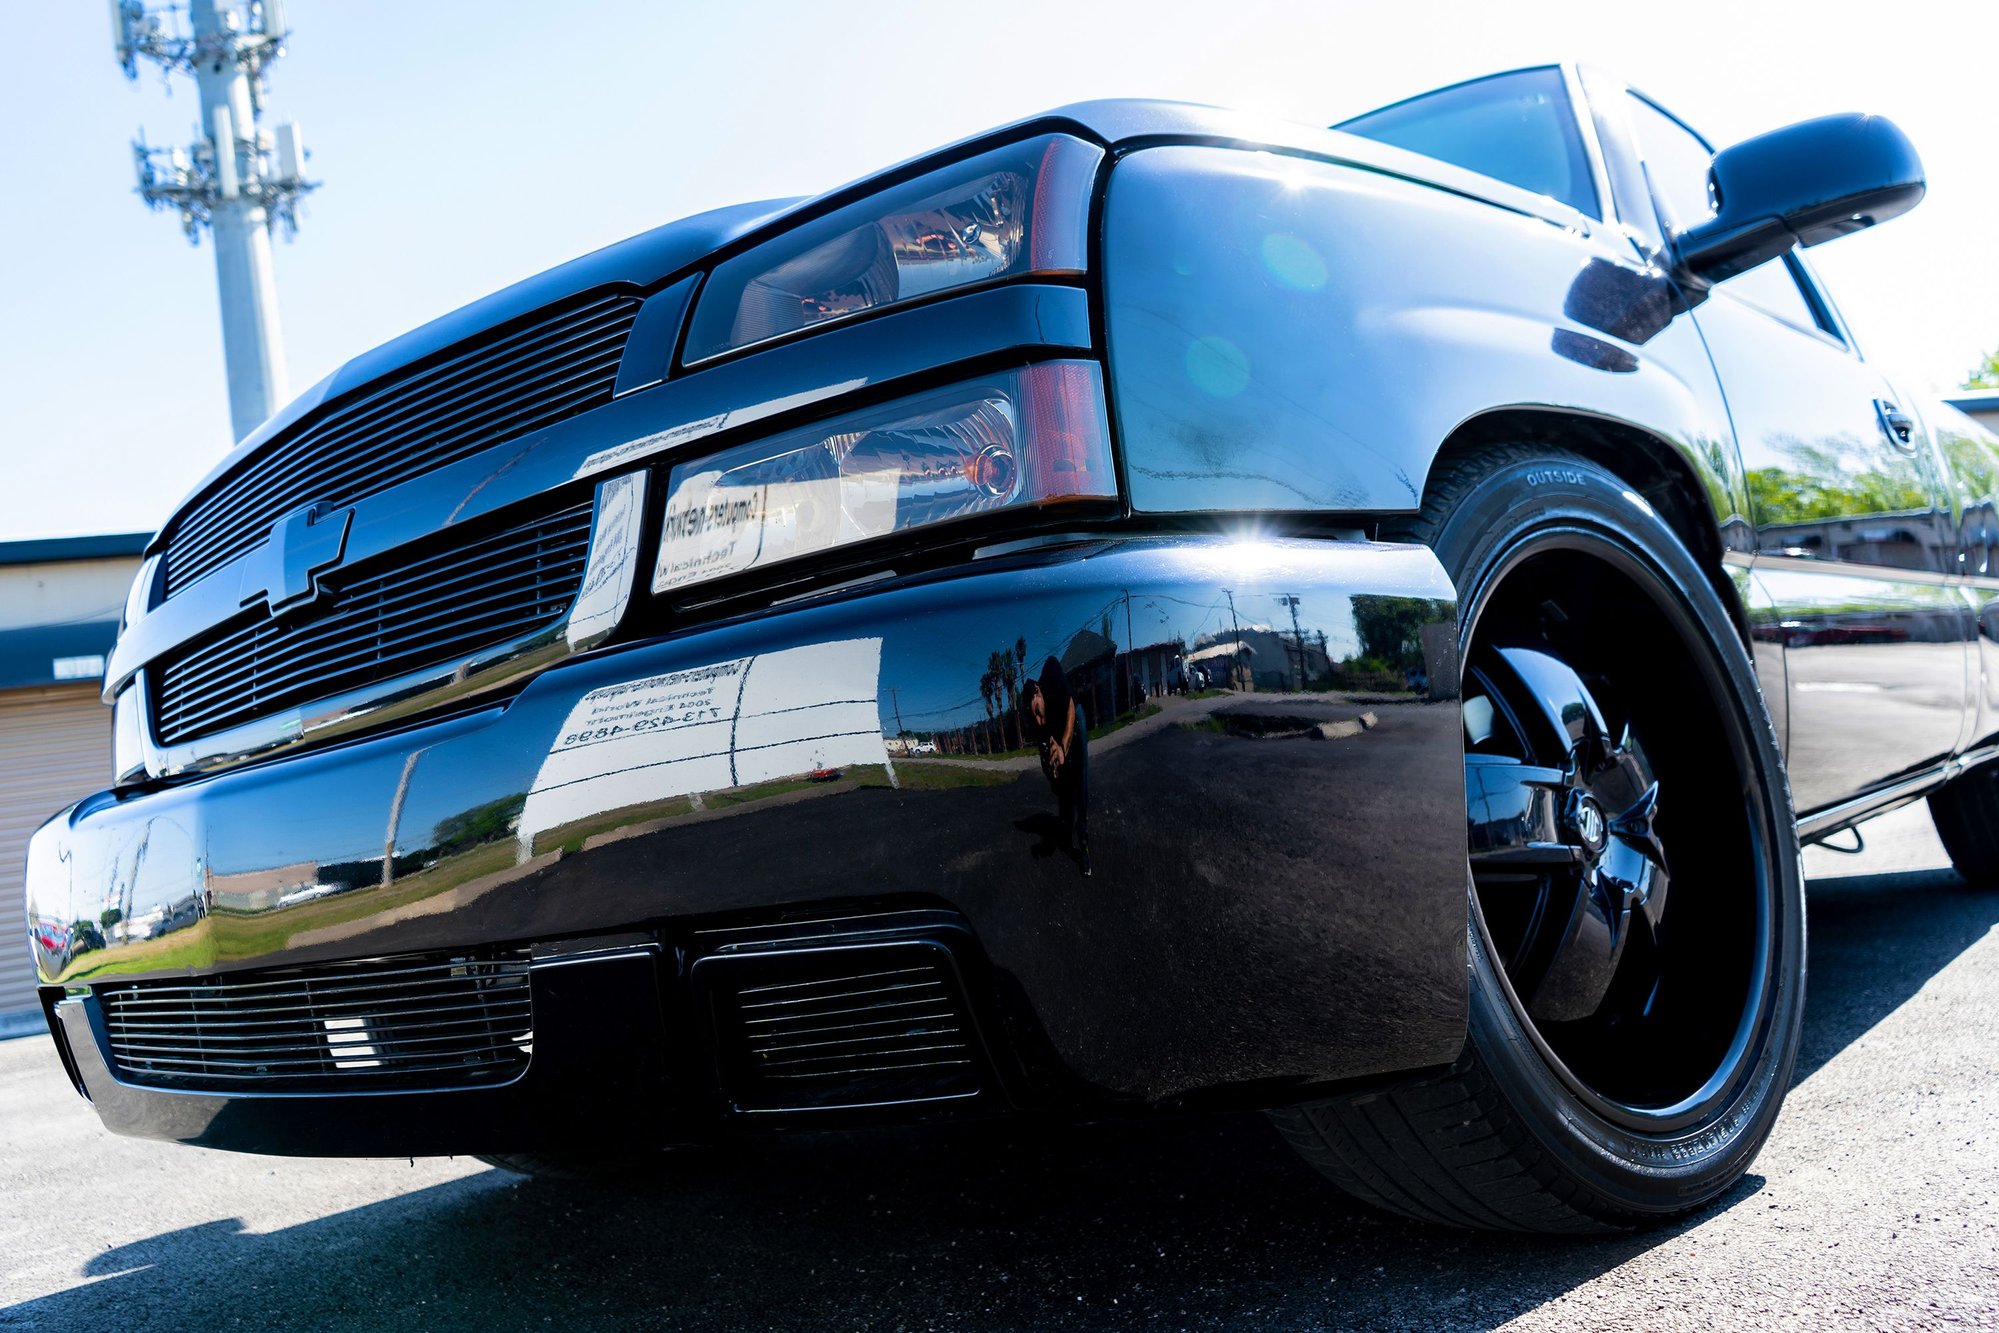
(598, 1077)
(1268, 912)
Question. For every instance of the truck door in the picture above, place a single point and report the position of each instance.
(1857, 539)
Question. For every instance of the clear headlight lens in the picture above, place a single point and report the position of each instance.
(1027, 437)
(1019, 209)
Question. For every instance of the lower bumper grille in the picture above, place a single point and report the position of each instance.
(862, 1025)
(348, 1028)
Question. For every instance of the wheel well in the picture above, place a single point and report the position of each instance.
(1655, 469)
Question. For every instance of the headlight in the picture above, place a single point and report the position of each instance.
(128, 743)
(1019, 209)
(1027, 437)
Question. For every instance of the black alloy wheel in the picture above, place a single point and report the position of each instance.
(1636, 932)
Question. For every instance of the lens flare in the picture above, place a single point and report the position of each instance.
(1293, 262)
(1217, 366)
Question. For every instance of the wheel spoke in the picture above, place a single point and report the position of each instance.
(1523, 857)
(1513, 810)
(1584, 957)
(1552, 825)
(1641, 880)
(1625, 781)
(1593, 704)
(1561, 711)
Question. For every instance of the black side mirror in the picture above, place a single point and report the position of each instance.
(1801, 185)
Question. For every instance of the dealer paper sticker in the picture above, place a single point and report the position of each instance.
(728, 724)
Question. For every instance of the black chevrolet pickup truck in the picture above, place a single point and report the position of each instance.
(1147, 609)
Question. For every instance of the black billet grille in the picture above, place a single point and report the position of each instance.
(352, 1026)
(377, 625)
(842, 1027)
(486, 392)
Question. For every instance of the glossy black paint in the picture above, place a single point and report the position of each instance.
(1861, 593)
(1296, 335)
(764, 393)
(648, 356)
(1805, 184)
(1294, 325)
(600, 1075)
(672, 252)
(1298, 888)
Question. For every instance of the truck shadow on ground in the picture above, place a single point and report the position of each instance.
(1197, 1223)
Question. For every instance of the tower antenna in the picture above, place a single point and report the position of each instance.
(237, 178)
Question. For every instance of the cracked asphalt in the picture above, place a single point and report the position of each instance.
(1873, 1206)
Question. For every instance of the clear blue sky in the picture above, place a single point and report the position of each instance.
(466, 145)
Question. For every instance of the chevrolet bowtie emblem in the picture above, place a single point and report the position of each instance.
(285, 570)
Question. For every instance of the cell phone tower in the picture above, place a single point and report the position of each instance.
(237, 178)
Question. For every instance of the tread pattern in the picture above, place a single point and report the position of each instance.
(1444, 1150)
(1966, 813)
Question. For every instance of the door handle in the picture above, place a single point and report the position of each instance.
(1897, 425)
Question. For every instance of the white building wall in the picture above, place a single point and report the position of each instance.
(63, 593)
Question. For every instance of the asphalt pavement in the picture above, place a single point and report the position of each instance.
(1872, 1206)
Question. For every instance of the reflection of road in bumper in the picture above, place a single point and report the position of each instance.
(1266, 909)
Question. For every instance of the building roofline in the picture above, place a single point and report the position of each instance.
(49, 550)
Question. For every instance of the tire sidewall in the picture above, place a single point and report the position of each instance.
(1642, 1174)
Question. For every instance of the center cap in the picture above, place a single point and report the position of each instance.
(1586, 817)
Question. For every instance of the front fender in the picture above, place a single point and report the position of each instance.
(1297, 335)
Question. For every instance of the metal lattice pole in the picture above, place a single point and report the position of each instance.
(237, 178)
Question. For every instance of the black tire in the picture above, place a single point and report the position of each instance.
(1966, 813)
(1561, 1124)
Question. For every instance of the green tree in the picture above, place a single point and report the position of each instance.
(1000, 670)
(988, 691)
(1974, 462)
(1391, 628)
(481, 824)
(1984, 375)
(1822, 483)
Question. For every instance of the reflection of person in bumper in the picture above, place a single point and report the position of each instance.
(1051, 716)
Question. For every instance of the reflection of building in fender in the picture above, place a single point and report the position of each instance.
(1910, 540)
(1108, 682)
(1268, 658)
(1222, 665)
(1155, 669)
(1440, 660)
(59, 603)
(1277, 657)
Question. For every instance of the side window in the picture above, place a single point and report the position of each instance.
(1676, 165)
(1773, 289)
(1517, 128)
